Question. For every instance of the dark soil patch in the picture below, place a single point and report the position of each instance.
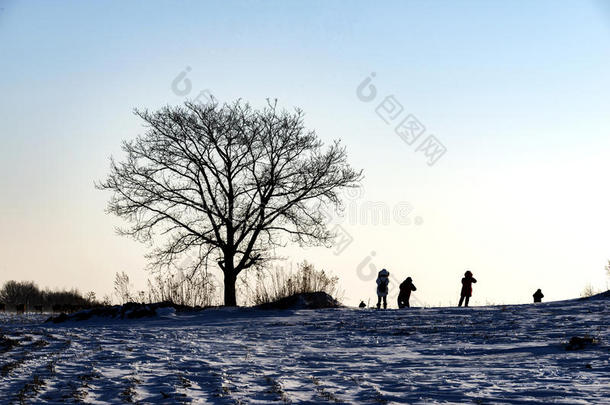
(7, 344)
(580, 343)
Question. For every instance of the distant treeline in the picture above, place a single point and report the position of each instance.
(16, 293)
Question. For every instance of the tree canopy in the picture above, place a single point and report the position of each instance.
(226, 183)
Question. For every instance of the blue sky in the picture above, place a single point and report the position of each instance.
(516, 91)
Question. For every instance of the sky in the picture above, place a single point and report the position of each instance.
(515, 92)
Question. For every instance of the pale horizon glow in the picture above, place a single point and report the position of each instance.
(517, 92)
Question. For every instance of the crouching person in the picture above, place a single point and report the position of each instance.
(383, 282)
(405, 292)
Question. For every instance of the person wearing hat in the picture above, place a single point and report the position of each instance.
(405, 292)
(466, 292)
(538, 296)
(383, 281)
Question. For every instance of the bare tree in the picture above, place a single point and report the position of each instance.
(28, 293)
(227, 183)
(20, 292)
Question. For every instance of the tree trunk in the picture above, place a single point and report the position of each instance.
(230, 298)
(230, 278)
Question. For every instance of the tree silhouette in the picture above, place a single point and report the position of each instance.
(227, 183)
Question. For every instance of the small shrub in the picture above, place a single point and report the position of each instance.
(279, 283)
(588, 291)
(182, 288)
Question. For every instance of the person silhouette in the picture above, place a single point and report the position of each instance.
(362, 305)
(405, 293)
(538, 296)
(382, 288)
(466, 292)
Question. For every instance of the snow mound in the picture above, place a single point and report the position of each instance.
(130, 310)
(509, 354)
(166, 311)
(315, 300)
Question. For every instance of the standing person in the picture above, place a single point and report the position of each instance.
(382, 288)
(405, 292)
(466, 288)
(538, 296)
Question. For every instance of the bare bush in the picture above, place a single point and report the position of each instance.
(588, 291)
(122, 287)
(278, 283)
(191, 288)
(181, 288)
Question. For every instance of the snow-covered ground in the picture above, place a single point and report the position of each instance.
(504, 354)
